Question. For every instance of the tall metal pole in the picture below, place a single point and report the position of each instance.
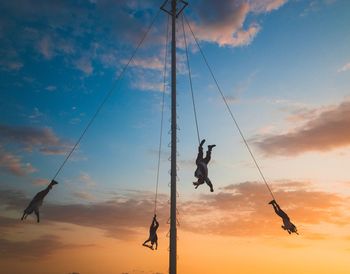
(173, 232)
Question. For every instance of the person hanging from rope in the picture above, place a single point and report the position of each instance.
(287, 224)
(37, 201)
(201, 172)
(153, 238)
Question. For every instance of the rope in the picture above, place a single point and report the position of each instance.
(190, 79)
(162, 116)
(107, 96)
(229, 110)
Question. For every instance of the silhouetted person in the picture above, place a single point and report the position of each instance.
(37, 201)
(202, 166)
(287, 224)
(153, 238)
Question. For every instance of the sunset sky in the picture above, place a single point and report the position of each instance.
(284, 67)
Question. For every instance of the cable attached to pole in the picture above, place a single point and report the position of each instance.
(162, 116)
(107, 96)
(229, 109)
(190, 79)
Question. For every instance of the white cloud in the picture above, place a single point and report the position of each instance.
(51, 88)
(344, 68)
(154, 63)
(84, 195)
(148, 86)
(86, 179)
(266, 5)
(36, 115)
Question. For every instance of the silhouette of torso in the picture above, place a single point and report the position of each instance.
(202, 170)
(37, 201)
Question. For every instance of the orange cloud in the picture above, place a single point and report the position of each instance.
(34, 249)
(236, 210)
(13, 164)
(243, 210)
(121, 217)
(328, 130)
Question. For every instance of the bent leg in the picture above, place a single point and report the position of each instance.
(199, 182)
(148, 240)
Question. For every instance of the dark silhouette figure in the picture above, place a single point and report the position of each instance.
(37, 201)
(287, 224)
(153, 238)
(202, 166)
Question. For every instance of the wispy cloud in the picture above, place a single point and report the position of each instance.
(148, 85)
(225, 25)
(11, 65)
(51, 88)
(84, 64)
(13, 164)
(242, 209)
(330, 129)
(154, 62)
(120, 217)
(84, 195)
(86, 179)
(316, 5)
(147, 81)
(45, 47)
(36, 115)
(235, 210)
(34, 249)
(344, 68)
(241, 88)
(40, 182)
(266, 5)
(33, 137)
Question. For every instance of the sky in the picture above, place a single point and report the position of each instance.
(284, 68)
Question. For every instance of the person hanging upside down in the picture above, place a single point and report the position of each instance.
(287, 224)
(37, 201)
(202, 166)
(153, 238)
